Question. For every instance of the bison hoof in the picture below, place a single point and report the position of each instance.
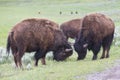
(35, 65)
(107, 56)
(80, 58)
(94, 58)
(102, 57)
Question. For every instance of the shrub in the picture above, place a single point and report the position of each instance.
(49, 56)
(116, 40)
(4, 58)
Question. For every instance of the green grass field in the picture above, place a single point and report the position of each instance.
(66, 70)
(13, 11)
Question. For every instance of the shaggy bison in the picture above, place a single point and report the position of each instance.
(97, 30)
(40, 36)
(71, 28)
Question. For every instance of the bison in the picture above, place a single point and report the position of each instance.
(71, 28)
(39, 36)
(97, 30)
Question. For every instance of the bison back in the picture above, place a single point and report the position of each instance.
(34, 34)
(71, 28)
(98, 25)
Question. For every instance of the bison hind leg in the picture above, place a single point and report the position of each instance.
(107, 41)
(19, 56)
(15, 59)
(14, 53)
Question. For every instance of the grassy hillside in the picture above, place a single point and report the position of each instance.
(13, 11)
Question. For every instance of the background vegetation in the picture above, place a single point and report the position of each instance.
(13, 11)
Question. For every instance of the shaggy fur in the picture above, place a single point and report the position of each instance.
(39, 35)
(97, 30)
(71, 28)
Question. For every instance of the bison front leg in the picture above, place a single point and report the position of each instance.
(95, 50)
(43, 61)
(40, 54)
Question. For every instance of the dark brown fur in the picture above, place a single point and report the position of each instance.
(71, 28)
(99, 24)
(39, 35)
(97, 30)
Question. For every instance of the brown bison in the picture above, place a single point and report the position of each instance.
(97, 30)
(71, 28)
(40, 36)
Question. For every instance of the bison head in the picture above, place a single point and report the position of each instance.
(63, 52)
(80, 46)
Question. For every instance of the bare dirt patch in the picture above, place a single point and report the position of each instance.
(112, 73)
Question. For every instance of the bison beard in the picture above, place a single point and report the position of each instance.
(97, 30)
(40, 36)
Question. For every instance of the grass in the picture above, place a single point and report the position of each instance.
(66, 70)
(13, 11)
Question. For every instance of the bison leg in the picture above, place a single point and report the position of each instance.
(107, 41)
(94, 57)
(109, 44)
(43, 61)
(107, 55)
(19, 59)
(103, 54)
(39, 54)
(14, 52)
(19, 56)
(96, 49)
(15, 59)
(37, 57)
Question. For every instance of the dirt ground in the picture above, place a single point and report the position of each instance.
(112, 73)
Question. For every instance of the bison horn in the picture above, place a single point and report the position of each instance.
(85, 45)
(68, 50)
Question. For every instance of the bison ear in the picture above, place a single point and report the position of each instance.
(68, 50)
(85, 45)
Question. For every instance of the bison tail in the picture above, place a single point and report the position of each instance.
(8, 45)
